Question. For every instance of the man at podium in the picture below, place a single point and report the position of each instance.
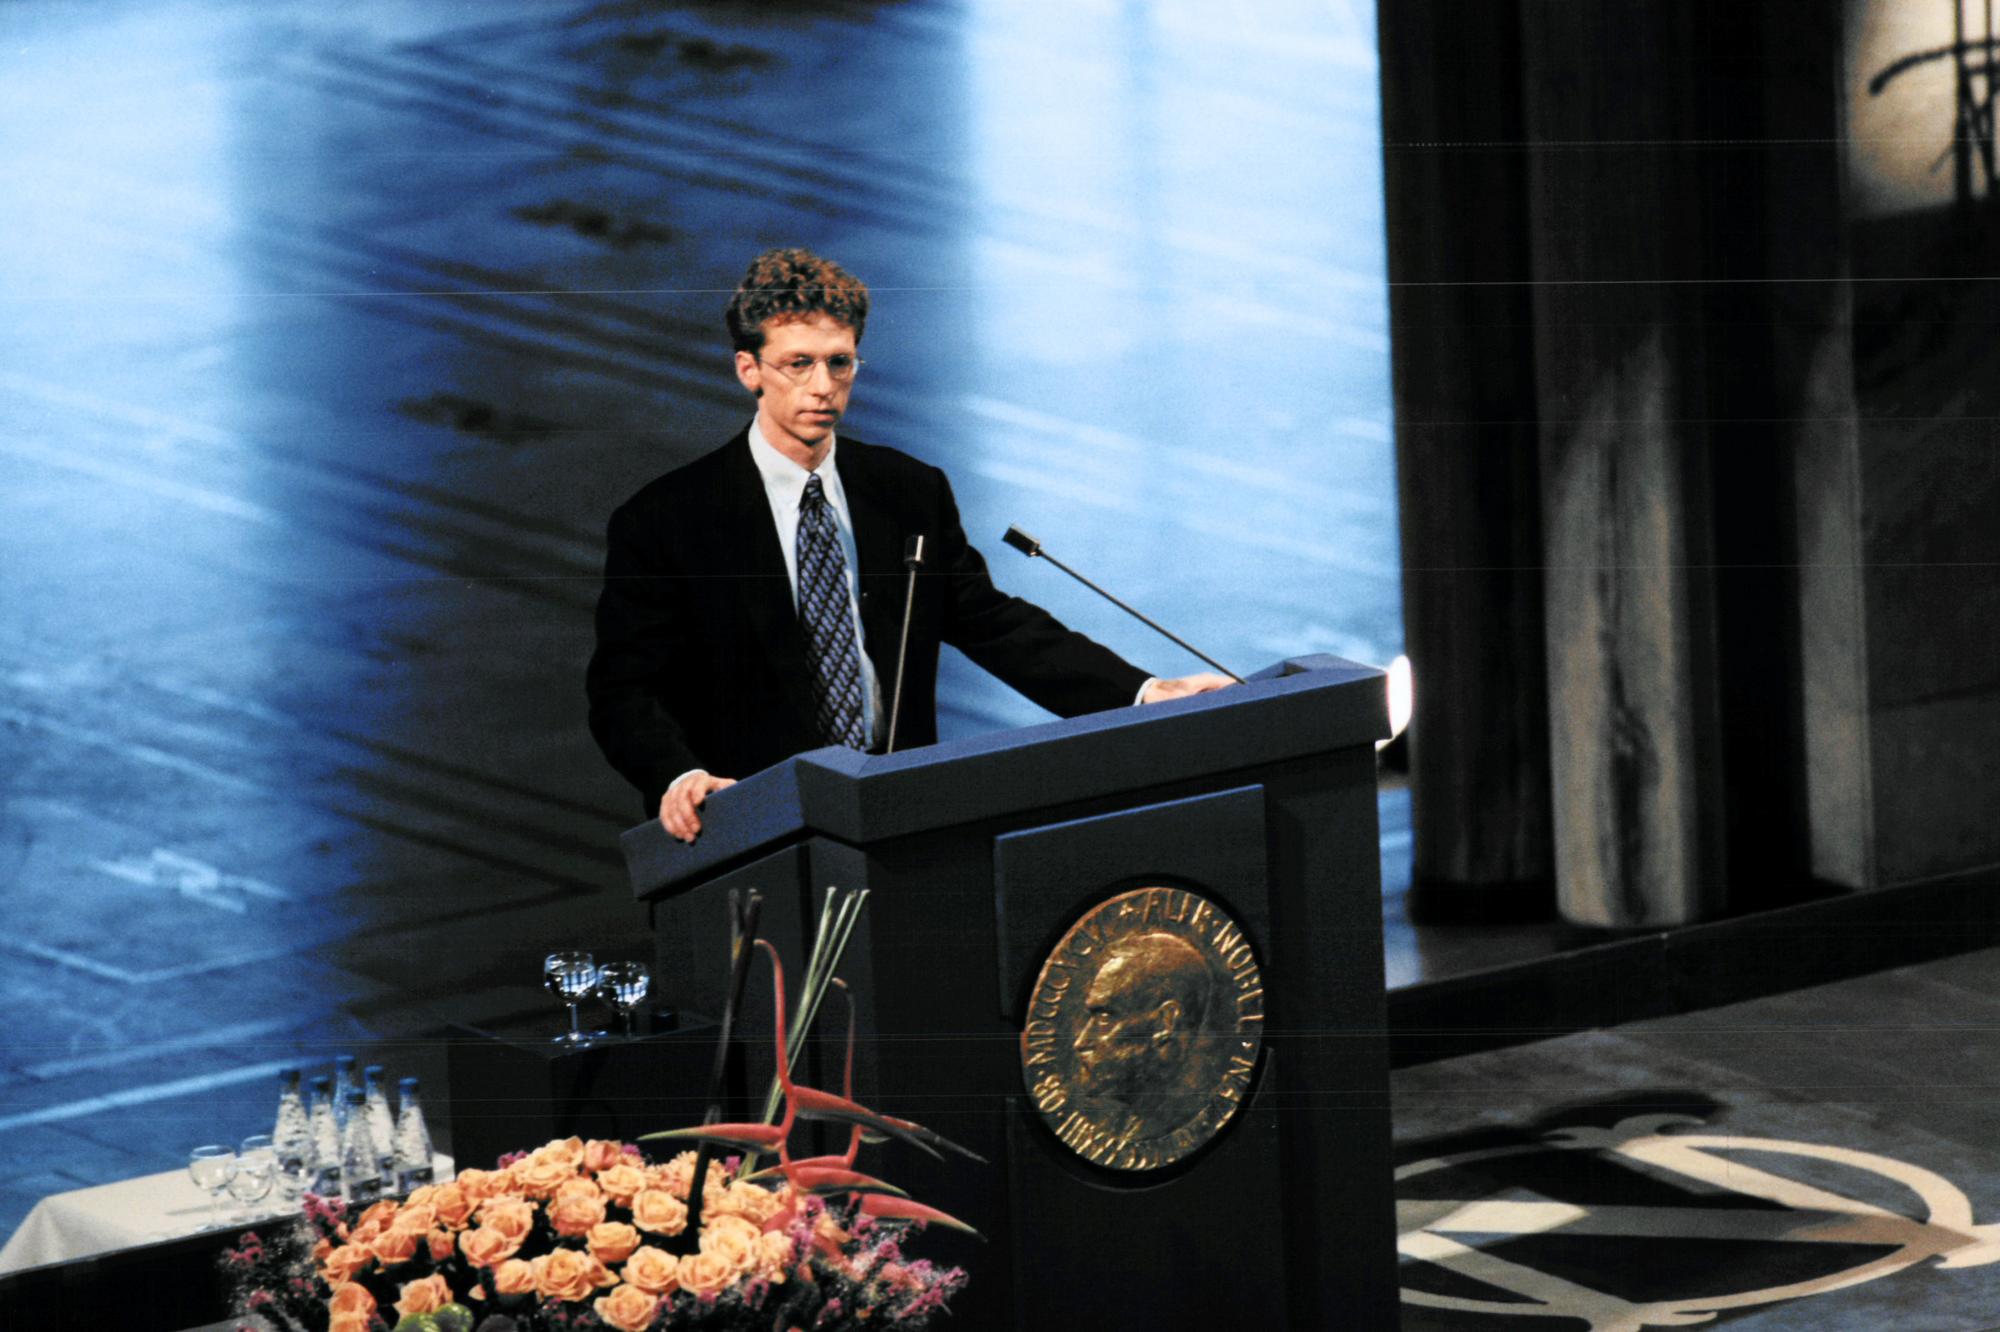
(753, 598)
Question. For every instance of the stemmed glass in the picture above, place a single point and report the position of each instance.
(211, 1168)
(571, 975)
(256, 1172)
(623, 985)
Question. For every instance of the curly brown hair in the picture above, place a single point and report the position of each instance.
(783, 285)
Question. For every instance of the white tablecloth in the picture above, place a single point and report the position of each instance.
(77, 1224)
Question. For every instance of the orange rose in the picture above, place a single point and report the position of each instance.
(321, 1248)
(752, 1202)
(564, 1274)
(345, 1261)
(487, 1247)
(774, 1256)
(651, 1270)
(423, 1194)
(704, 1273)
(348, 1322)
(418, 1218)
(675, 1174)
(351, 1297)
(612, 1241)
(620, 1182)
(454, 1206)
(426, 1296)
(732, 1239)
(395, 1246)
(541, 1178)
(516, 1276)
(510, 1216)
(569, 1151)
(364, 1232)
(575, 1213)
(478, 1185)
(576, 1186)
(441, 1245)
(627, 1308)
(659, 1211)
(678, 1174)
(379, 1215)
(601, 1155)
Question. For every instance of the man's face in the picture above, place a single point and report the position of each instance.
(796, 417)
(1112, 1046)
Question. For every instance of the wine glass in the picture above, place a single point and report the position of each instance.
(623, 985)
(211, 1167)
(570, 975)
(256, 1172)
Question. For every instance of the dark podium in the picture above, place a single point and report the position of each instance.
(989, 863)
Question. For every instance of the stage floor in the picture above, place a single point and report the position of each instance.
(1837, 1147)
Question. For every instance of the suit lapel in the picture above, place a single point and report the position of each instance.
(755, 554)
(878, 549)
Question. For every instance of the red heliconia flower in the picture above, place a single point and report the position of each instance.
(827, 1174)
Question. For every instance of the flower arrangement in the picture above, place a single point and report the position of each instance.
(579, 1236)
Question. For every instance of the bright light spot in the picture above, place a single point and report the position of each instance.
(1402, 698)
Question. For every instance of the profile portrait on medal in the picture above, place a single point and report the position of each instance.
(1144, 1057)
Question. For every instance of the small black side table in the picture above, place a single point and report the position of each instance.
(513, 1089)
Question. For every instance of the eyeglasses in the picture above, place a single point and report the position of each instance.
(839, 367)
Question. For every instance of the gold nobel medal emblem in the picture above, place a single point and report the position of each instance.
(1143, 1029)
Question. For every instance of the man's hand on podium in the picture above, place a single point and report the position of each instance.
(1160, 691)
(680, 806)
(688, 793)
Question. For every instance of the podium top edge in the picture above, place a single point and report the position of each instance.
(1293, 676)
(1311, 704)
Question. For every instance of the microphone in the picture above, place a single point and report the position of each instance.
(913, 560)
(1032, 548)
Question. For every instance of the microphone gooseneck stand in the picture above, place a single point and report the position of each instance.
(1032, 548)
(913, 560)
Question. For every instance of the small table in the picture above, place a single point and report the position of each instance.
(66, 1226)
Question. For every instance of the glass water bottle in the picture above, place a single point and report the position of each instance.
(343, 1083)
(291, 1135)
(413, 1140)
(323, 1160)
(381, 1124)
(360, 1167)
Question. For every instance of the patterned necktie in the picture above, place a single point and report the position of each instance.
(827, 615)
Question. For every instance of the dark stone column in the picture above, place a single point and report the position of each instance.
(1620, 221)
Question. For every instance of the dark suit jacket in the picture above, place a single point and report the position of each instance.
(701, 662)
